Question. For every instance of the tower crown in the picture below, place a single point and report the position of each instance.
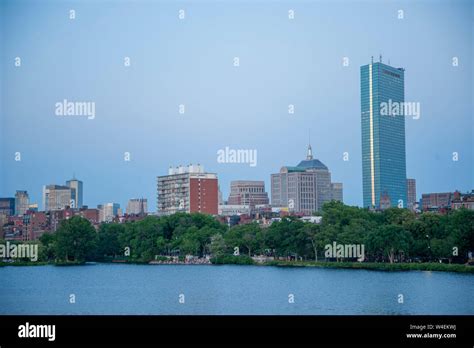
(309, 156)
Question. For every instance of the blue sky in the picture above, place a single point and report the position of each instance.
(190, 62)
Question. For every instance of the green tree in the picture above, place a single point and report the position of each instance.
(108, 240)
(388, 240)
(397, 216)
(189, 245)
(163, 245)
(218, 246)
(76, 240)
(47, 247)
(283, 236)
(460, 226)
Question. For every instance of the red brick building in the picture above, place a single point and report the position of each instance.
(90, 214)
(203, 195)
(188, 190)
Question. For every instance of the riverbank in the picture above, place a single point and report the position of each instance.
(240, 260)
(24, 263)
(379, 266)
(40, 263)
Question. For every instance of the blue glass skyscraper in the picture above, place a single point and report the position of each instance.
(383, 136)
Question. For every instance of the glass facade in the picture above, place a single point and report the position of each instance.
(383, 135)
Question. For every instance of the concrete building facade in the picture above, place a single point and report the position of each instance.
(22, 202)
(305, 188)
(137, 206)
(248, 192)
(56, 197)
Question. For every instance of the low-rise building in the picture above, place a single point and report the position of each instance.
(436, 201)
(463, 200)
(234, 209)
(248, 192)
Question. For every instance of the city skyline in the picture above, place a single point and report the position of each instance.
(137, 108)
(416, 196)
(309, 161)
(72, 192)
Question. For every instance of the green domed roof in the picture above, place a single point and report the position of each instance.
(310, 162)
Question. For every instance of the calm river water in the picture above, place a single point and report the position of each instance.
(147, 289)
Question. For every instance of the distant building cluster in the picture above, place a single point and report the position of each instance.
(298, 190)
(444, 201)
(22, 220)
(57, 197)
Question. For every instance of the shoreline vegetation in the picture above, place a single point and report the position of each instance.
(390, 240)
(245, 260)
(383, 266)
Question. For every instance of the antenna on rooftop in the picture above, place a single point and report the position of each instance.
(309, 156)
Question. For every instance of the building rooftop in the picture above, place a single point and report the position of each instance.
(310, 162)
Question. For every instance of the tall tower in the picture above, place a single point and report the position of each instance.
(76, 191)
(383, 136)
(22, 202)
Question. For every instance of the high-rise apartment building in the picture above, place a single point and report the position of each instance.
(383, 136)
(22, 202)
(187, 189)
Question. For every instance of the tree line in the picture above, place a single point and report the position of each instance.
(393, 235)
